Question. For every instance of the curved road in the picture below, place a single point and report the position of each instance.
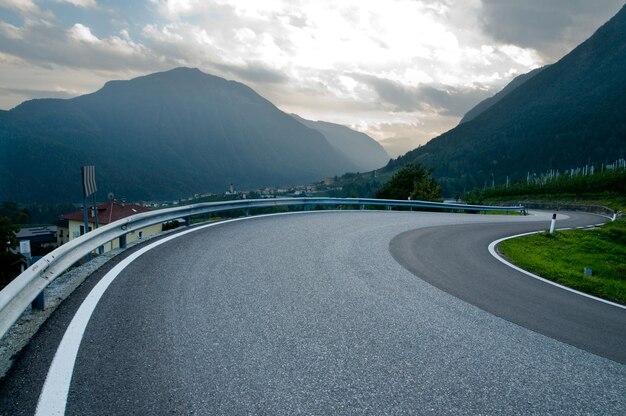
(466, 270)
(310, 314)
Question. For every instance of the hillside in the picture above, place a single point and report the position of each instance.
(164, 135)
(570, 113)
(363, 151)
(485, 104)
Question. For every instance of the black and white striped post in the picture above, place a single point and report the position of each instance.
(89, 188)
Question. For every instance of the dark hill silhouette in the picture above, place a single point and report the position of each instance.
(488, 102)
(164, 135)
(570, 113)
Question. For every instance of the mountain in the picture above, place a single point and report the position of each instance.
(363, 151)
(567, 115)
(164, 135)
(482, 106)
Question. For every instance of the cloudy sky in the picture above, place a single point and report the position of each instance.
(402, 71)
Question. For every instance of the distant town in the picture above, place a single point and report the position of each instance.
(316, 189)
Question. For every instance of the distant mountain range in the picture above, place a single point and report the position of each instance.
(565, 115)
(360, 149)
(169, 135)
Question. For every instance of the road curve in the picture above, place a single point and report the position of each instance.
(307, 314)
(467, 270)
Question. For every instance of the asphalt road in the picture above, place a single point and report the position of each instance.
(469, 272)
(311, 314)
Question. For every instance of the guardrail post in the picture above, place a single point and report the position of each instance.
(187, 221)
(123, 241)
(39, 302)
(247, 212)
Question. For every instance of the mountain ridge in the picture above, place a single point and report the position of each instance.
(488, 102)
(164, 135)
(568, 114)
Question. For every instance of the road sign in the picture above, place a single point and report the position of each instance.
(25, 247)
(89, 180)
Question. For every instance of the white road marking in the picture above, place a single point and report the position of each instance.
(53, 397)
(494, 253)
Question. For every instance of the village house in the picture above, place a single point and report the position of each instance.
(72, 225)
(42, 239)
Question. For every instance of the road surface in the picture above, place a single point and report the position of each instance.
(311, 314)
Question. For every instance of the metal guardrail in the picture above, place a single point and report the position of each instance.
(16, 297)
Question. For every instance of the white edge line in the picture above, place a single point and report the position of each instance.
(53, 398)
(494, 253)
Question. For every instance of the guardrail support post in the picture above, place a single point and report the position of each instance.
(187, 221)
(123, 241)
(247, 212)
(39, 302)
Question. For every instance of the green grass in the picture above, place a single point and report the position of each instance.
(563, 256)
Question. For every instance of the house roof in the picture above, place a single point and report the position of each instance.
(107, 213)
(30, 232)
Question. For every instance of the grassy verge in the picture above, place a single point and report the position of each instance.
(563, 256)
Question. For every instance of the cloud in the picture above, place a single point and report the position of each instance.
(394, 96)
(31, 93)
(26, 8)
(81, 3)
(447, 100)
(552, 28)
(254, 72)
(42, 43)
(20, 82)
(10, 59)
(398, 137)
(82, 33)
(22, 6)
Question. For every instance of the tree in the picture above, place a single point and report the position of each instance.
(9, 261)
(411, 181)
(14, 212)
